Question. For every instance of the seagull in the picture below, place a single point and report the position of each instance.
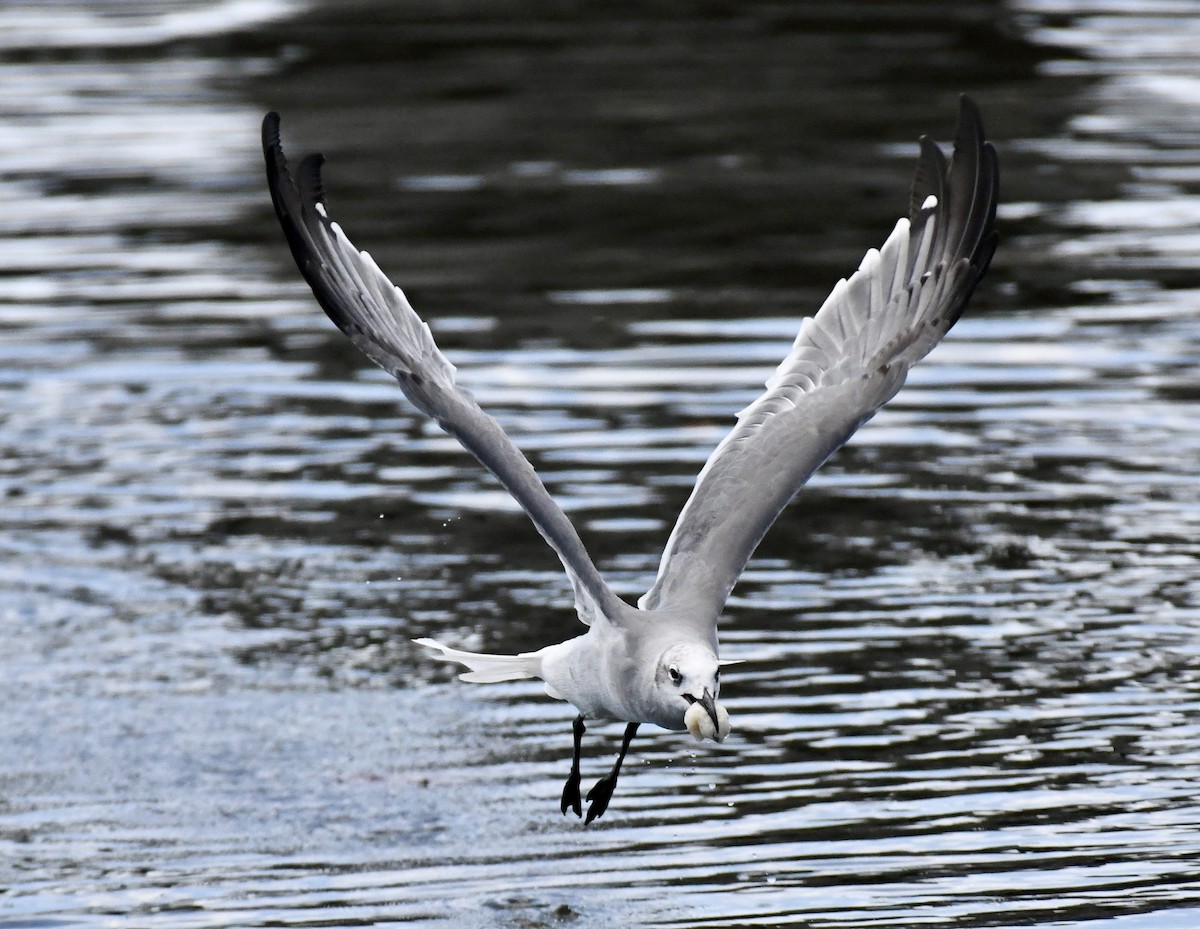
(658, 662)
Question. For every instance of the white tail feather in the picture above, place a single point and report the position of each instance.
(488, 669)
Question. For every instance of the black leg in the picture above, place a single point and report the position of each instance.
(570, 794)
(599, 795)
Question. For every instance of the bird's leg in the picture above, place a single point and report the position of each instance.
(600, 794)
(570, 794)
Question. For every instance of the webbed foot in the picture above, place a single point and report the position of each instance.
(570, 794)
(599, 796)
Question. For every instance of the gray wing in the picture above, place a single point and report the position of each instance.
(376, 316)
(846, 362)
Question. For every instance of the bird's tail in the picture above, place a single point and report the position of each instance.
(488, 669)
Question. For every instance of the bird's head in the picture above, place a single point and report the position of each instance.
(688, 680)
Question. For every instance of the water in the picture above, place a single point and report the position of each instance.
(972, 687)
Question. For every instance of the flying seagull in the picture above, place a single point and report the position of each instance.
(657, 662)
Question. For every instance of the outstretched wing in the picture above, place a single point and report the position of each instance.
(846, 362)
(376, 316)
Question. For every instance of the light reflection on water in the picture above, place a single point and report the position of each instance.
(971, 687)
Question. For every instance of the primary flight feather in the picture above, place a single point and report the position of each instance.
(658, 662)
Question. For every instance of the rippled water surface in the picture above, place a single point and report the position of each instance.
(971, 689)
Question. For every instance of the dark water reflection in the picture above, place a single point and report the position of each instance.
(973, 676)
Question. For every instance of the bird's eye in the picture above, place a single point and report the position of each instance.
(676, 677)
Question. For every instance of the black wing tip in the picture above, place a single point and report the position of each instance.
(966, 185)
(972, 181)
(272, 145)
(295, 192)
(312, 185)
(279, 178)
(979, 158)
(307, 182)
(990, 168)
(928, 179)
(982, 259)
(969, 116)
(296, 197)
(986, 182)
(270, 132)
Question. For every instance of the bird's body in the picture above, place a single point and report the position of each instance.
(658, 662)
(607, 673)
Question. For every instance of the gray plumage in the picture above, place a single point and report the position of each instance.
(657, 662)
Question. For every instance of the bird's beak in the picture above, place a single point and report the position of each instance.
(710, 707)
(705, 718)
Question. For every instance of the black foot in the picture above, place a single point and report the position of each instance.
(599, 796)
(570, 794)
